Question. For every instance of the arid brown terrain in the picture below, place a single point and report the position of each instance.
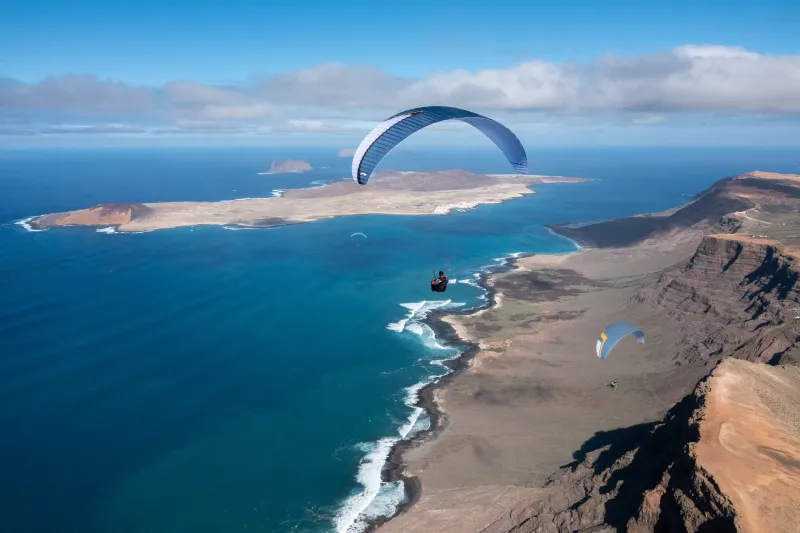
(702, 433)
(390, 193)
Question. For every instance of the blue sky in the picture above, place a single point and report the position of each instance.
(322, 72)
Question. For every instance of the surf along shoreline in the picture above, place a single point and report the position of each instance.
(394, 468)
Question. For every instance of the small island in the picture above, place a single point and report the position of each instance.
(388, 193)
(347, 152)
(289, 166)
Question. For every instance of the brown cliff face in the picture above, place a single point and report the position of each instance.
(727, 457)
(724, 459)
(780, 192)
(709, 207)
(654, 485)
(737, 297)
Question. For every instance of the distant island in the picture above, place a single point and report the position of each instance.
(288, 166)
(347, 152)
(393, 193)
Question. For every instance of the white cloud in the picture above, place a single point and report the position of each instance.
(687, 78)
(78, 95)
(333, 86)
(88, 130)
(337, 98)
(197, 94)
(312, 126)
(646, 119)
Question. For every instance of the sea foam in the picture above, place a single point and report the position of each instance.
(28, 227)
(577, 246)
(377, 498)
(419, 311)
(460, 206)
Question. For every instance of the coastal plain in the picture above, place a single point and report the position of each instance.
(531, 437)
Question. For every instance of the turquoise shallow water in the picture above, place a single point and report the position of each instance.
(210, 380)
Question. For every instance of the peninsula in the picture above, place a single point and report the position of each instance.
(392, 193)
(702, 432)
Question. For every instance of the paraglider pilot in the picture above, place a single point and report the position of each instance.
(439, 284)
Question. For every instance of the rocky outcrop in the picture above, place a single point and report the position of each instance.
(100, 215)
(686, 473)
(737, 296)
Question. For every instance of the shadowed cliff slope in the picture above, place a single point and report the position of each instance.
(730, 195)
(727, 457)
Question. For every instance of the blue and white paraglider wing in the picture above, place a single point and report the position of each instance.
(613, 334)
(395, 129)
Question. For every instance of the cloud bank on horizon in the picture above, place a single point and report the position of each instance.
(343, 100)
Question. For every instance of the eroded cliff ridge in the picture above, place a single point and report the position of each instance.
(736, 297)
(726, 457)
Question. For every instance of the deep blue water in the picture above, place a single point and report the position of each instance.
(208, 380)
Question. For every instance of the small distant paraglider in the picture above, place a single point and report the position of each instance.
(358, 236)
(397, 128)
(613, 334)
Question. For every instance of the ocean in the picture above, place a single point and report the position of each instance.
(214, 379)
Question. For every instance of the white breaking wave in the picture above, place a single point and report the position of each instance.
(278, 193)
(577, 246)
(377, 498)
(352, 516)
(418, 311)
(460, 206)
(415, 328)
(240, 199)
(505, 259)
(113, 231)
(24, 224)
